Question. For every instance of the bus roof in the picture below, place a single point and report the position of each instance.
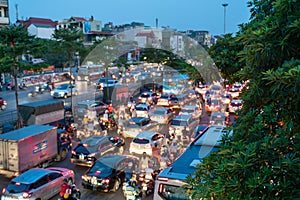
(194, 154)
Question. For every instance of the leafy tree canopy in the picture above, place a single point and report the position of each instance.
(261, 160)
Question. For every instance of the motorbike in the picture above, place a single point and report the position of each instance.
(33, 93)
(46, 87)
(75, 193)
(147, 182)
(39, 89)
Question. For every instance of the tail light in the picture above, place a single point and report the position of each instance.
(3, 190)
(169, 102)
(26, 195)
(106, 181)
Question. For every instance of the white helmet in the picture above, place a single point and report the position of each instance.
(130, 164)
(106, 111)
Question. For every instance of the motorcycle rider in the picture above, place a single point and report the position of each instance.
(144, 161)
(63, 188)
(132, 191)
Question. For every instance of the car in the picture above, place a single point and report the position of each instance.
(3, 104)
(218, 119)
(104, 82)
(199, 130)
(183, 125)
(234, 92)
(144, 142)
(195, 111)
(201, 89)
(132, 127)
(142, 110)
(148, 97)
(164, 100)
(213, 105)
(161, 115)
(226, 98)
(90, 107)
(108, 173)
(216, 89)
(92, 148)
(37, 183)
(64, 91)
(235, 105)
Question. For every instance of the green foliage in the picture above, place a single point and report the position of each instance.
(261, 160)
(225, 54)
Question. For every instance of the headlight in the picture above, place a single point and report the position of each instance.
(52, 92)
(61, 93)
(85, 177)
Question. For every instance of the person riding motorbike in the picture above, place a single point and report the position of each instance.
(132, 191)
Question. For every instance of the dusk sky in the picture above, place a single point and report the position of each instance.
(177, 14)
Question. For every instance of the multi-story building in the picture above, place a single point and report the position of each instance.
(203, 37)
(4, 15)
(91, 28)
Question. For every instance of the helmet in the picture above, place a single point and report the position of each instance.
(66, 195)
(130, 164)
(106, 111)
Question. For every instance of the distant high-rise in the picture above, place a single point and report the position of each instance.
(4, 16)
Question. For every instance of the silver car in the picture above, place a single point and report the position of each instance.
(37, 183)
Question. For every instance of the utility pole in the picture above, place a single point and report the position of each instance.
(225, 5)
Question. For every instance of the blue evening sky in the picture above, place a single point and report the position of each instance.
(177, 14)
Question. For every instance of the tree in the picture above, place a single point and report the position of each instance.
(225, 54)
(15, 41)
(70, 41)
(261, 159)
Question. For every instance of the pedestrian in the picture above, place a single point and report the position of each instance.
(133, 113)
(144, 161)
(156, 152)
(85, 121)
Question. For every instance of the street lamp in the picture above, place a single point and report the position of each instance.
(225, 5)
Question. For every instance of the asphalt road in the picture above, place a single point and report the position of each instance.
(85, 92)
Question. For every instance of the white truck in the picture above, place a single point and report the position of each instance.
(31, 146)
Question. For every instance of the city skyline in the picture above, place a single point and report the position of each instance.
(190, 15)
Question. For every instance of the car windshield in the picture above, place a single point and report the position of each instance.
(132, 124)
(16, 187)
(62, 87)
(178, 123)
(100, 168)
(159, 112)
(141, 108)
(140, 141)
(187, 110)
(236, 104)
(164, 97)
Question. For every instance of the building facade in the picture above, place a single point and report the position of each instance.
(4, 14)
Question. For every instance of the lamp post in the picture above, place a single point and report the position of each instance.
(225, 5)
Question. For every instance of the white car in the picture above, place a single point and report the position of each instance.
(144, 142)
(64, 91)
(161, 115)
(195, 111)
(234, 92)
(235, 105)
(142, 110)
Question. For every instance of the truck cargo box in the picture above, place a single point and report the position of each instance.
(27, 147)
(42, 112)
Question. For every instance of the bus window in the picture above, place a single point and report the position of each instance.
(172, 192)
